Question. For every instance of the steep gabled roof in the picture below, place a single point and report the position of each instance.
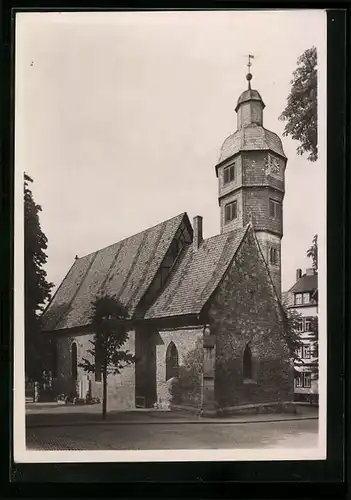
(307, 283)
(124, 270)
(196, 276)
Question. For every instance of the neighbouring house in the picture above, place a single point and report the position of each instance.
(216, 300)
(303, 298)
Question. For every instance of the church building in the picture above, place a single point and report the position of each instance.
(203, 312)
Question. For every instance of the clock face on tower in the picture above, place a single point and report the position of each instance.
(272, 166)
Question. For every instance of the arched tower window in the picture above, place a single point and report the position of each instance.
(172, 362)
(247, 363)
(74, 361)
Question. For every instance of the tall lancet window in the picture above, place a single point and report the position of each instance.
(247, 363)
(172, 361)
(74, 361)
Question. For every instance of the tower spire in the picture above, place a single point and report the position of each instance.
(249, 75)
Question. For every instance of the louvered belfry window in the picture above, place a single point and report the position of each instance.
(231, 211)
(275, 209)
(229, 174)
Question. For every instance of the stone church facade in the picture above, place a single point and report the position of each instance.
(203, 313)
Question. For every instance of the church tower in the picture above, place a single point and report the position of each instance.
(251, 173)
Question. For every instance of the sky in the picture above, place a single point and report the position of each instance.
(120, 117)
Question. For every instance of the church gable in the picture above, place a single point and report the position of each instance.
(196, 276)
(181, 241)
(245, 317)
(125, 270)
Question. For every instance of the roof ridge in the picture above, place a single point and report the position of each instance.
(131, 236)
(227, 233)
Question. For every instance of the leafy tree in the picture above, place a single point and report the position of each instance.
(111, 332)
(312, 252)
(300, 112)
(291, 319)
(37, 288)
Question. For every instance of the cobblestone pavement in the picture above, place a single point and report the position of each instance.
(285, 434)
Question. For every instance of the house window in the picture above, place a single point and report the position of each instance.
(274, 256)
(307, 379)
(306, 354)
(300, 325)
(172, 362)
(308, 325)
(247, 363)
(229, 174)
(302, 298)
(74, 361)
(303, 380)
(298, 299)
(231, 211)
(299, 352)
(274, 209)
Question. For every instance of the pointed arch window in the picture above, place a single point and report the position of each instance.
(74, 361)
(172, 361)
(247, 363)
(54, 359)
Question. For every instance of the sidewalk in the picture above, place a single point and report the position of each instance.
(53, 415)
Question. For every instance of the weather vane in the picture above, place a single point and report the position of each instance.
(249, 64)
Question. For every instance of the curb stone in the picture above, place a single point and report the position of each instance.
(164, 422)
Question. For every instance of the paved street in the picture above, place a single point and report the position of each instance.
(64, 429)
(286, 434)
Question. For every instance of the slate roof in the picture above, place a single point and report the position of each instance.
(249, 95)
(197, 275)
(127, 268)
(307, 283)
(124, 269)
(253, 137)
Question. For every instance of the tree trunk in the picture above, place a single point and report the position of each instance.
(104, 396)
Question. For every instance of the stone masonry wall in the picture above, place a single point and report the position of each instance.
(120, 387)
(185, 341)
(266, 242)
(242, 310)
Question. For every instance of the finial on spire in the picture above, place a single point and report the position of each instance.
(249, 75)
